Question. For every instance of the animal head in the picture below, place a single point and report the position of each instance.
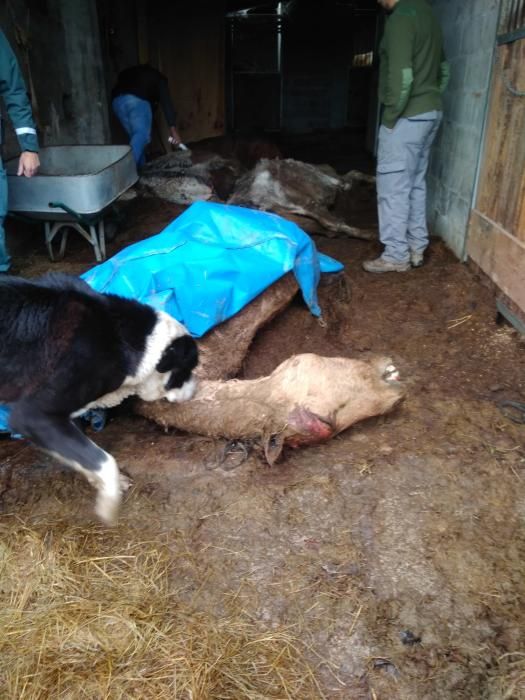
(169, 361)
(177, 363)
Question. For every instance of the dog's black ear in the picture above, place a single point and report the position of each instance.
(181, 353)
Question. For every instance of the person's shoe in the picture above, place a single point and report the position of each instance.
(416, 259)
(382, 265)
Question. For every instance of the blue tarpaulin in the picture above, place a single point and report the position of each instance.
(210, 262)
(4, 417)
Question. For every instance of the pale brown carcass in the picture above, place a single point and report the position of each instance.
(307, 399)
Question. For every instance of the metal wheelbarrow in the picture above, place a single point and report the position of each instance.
(75, 188)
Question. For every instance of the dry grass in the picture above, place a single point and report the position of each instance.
(87, 612)
(509, 682)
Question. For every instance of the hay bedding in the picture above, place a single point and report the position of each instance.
(87, 612)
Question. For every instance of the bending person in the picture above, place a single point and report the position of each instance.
(138, 91)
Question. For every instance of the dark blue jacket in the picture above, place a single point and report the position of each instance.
(14, 93)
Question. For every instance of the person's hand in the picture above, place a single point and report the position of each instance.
(28, 164)
(174, 138)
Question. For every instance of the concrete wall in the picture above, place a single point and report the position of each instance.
(469, 29)
(57, 43)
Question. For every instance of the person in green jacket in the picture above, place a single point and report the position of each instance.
(413, 74)
(14, 94)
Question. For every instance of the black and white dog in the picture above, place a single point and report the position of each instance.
(65, 348)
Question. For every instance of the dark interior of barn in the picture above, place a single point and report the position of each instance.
(299, 75)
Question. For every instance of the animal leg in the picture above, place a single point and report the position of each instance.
(57, 435)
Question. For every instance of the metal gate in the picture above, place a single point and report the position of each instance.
(496, 240)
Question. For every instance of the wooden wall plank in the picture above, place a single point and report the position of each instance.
(502, 183)
(190, 52)
(496, 239)
(500, 255)
(141, 10)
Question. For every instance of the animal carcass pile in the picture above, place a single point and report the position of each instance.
(306, 400)
(315, 197)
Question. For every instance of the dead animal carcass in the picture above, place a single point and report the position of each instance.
(181, 178)
(300, 192)
(306, 400)
(223, 350)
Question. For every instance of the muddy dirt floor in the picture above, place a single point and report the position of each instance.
(392, 557)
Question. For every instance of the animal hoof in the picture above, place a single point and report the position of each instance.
(107, 508)
(125, 483)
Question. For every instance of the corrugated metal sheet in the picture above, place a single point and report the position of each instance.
(512, 21)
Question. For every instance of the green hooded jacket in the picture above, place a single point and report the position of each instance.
(413, 72)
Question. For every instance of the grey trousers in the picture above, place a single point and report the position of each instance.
(402, 163)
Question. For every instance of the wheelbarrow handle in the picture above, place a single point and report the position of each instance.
(61, 205)
(85, 219)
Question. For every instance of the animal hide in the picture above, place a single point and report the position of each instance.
(301, 192)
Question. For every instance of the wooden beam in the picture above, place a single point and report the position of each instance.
(142, 30)
(499, 254)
